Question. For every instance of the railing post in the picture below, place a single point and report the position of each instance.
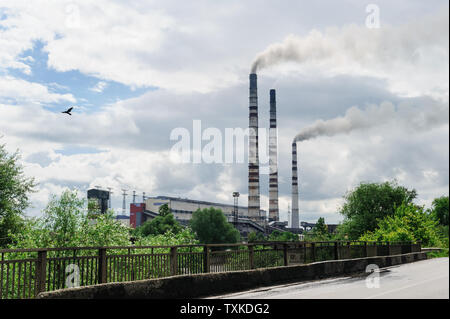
(389, 248)
(336, 250)
(173, 261)
(41, 267)
(366, 254)
(1, 277)
(313, 252)
(102, 266)
(349, 250)
(251, 256)
(285, 254)
(206, 259)
(131, 264)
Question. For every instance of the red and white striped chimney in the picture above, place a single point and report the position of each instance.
(253, 157)
(273, 159)
(294, 215)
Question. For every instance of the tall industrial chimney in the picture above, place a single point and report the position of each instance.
(273, 159)
(253, 157)
(295, 217)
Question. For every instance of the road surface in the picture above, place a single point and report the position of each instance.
(427, 279)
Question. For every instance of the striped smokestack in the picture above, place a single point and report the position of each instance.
(253, 158)
(273, 161)
(295, 217)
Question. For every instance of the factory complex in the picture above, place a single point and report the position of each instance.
(245, 219)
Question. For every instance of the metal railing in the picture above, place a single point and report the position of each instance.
(27, 272)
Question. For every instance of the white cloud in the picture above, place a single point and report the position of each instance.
(99, 87)
(18, 90)
(125, 132)
(199, 53)
(202, 46)
(404, 54)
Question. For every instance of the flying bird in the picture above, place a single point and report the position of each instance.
(68, 111)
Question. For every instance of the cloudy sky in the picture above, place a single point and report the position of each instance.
(372, 84)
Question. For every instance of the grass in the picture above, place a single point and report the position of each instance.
(438, 254)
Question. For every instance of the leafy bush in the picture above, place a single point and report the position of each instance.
(438, 254)
(14, 191)
(440, 210)
(254, 237)
(370, 202)
(183, 237)
(319, 232)
(160, 225)
(66, 223)
(409, 223)
(283, 236)
(211, 227)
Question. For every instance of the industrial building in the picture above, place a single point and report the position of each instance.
(101, 197)
(183, 208)
(252, 215)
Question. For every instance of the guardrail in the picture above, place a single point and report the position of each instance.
(27, 272)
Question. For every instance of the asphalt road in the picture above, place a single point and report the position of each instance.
(427, 279)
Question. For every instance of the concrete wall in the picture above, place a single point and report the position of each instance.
(201, 285)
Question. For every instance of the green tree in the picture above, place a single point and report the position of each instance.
(319, 232)
(321, 228)
(160, 225)
(409, 223)
(67, 223)
(277, 235)
(14, 191)
(254, 237)
(103, 230)
(93, 207)
(211, 227)
(164, 210)
(370, 202)
(440, 210)
(185, 237)
(63, 217)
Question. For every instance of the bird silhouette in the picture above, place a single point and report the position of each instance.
(68, 111)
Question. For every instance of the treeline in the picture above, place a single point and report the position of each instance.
(387, 212)
(372, 212)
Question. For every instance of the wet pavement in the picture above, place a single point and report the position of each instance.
(427, 279)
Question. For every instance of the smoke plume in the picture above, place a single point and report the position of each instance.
(414, 118)
(377, 50)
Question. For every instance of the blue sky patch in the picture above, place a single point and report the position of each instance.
(75, 149)
(74, 82)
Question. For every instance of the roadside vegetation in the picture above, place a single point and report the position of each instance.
(438, 254)
(372, 212)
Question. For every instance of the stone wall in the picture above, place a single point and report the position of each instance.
(202, 285)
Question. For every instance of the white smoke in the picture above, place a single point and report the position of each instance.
(361, 44)
(413, 118)
(409, 55)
